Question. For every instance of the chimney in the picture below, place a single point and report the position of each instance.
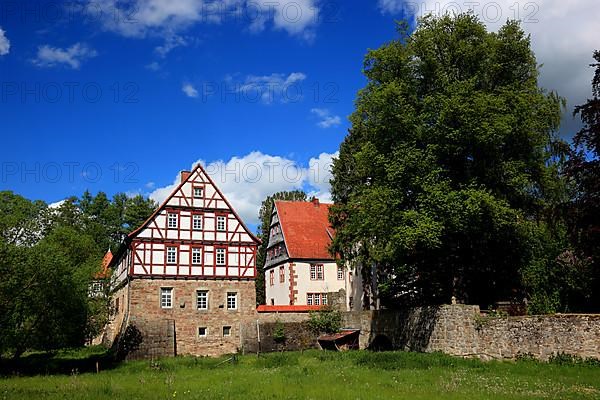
(315, 201)
(185, 175)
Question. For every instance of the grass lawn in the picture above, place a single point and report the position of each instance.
(316, 375)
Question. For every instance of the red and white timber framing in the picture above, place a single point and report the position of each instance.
(216, 246)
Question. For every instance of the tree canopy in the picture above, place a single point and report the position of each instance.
(48, 258)
(447, 172)
(584, 170)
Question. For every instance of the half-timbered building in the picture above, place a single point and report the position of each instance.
(299, 269)
(188, 271)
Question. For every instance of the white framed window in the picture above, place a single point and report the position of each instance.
(197, 222)
(196, 256)
(340, 273)
(97, 287)
(166, 297)
(226, 331)
(202, 300)
(220, 223)
(202, 331)
(220, 256)
(198, 192)
(316, 272)
(316, 299)
(171, 255)
(172, 220)
(232, 300)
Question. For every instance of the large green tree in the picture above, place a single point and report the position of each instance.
(264, 216)
(584, 170)
(48, 259)
(447, 169)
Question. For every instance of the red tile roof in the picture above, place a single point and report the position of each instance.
(306, 228)
(105, 263)
(266, 309)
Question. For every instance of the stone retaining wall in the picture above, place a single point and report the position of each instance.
(460, 330)
(540, 336)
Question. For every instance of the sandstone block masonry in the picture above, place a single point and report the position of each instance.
(460, 330)
(211, 332)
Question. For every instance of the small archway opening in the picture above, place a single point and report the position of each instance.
(381, 343)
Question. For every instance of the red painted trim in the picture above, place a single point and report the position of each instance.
(282, 309)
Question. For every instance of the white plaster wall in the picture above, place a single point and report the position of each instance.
(279, 292)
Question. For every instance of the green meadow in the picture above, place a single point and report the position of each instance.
(307, 375)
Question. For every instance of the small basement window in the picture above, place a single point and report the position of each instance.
(226, 331)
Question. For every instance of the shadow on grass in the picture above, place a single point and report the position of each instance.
(69, 361)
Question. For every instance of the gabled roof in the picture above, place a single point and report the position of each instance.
(105, 263)
(306, 230)
(186, 177)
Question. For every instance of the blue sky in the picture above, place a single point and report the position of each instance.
(98, 96)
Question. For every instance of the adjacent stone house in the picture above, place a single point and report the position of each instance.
(186, 275)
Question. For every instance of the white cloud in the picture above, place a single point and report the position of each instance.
(73, 56)
(565, 56)
(326, 120)
(319, 176)
(4, 43)
(268, 88)
(153, 66)
(57, 204)
(392, 6)
(247, 180)
(296, 17)
(171, 42)
(141, 18)
(189, 90)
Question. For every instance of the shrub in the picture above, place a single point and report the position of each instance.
(570, 359)
(326, 320)
(279, 333)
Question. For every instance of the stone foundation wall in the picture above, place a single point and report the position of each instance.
(158, 340)
(297, 333)
(458, 330)
(146, 314)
